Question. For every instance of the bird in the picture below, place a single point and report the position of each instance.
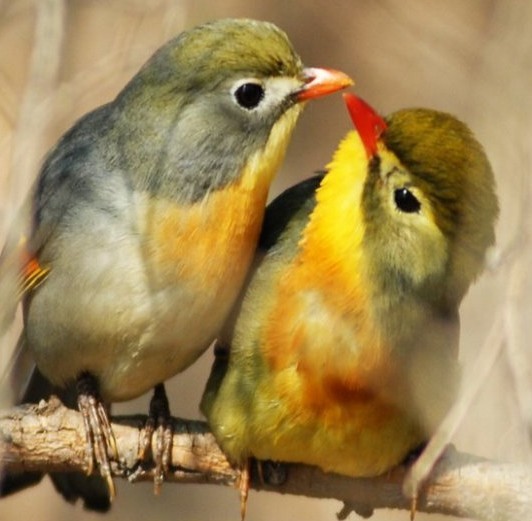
(343, 353)
(145, 218)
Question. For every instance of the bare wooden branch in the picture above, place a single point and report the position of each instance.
(49, 437)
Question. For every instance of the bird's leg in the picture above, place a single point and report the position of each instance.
(243, 487)
(158, 423)
(268, 472)
(410, 460)
(413, 506)
(100, 440)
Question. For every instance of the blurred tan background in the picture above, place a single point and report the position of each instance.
(59, 59)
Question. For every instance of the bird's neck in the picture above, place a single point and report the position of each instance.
(332, 242)
(334, 249)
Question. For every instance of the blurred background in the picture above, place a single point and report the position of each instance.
(61, 58)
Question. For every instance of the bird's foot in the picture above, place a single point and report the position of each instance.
(100, 440)
(273, 473)
(160, 425)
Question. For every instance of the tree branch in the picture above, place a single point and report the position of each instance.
(49, 437)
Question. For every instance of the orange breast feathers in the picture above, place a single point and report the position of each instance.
(322, 324)
(206, 243)
(322, 348)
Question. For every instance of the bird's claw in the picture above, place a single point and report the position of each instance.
(99, 437)
(162, 455)
(158, 426)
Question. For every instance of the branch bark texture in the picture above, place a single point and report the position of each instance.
(49, 437)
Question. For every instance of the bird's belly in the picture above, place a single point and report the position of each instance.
(116, 324)
(329, 394)
(168, 344)
(139, 304)
(368, 442)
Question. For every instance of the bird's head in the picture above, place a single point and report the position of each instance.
(427, 200)
(220, 95)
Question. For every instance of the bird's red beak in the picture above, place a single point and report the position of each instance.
(369, 125)
(320, 82)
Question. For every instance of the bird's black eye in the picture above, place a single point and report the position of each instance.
(249, 95)
(406, 201)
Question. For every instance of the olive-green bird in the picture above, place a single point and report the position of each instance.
(146, 216)
(344, 353)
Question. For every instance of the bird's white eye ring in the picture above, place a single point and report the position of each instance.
(249, 94)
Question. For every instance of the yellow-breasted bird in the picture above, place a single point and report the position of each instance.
(146, 216)
(344, 353)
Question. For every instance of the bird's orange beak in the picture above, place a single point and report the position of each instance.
(320, 82)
